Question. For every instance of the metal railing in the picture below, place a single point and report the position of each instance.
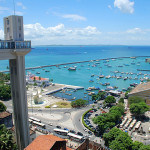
(15, 44)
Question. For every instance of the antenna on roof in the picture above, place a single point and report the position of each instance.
(14, 6)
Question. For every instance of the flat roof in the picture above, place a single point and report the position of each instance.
(140, 88)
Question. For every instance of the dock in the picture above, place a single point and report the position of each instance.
(63, 87)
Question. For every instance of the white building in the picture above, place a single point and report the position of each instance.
(13, 28)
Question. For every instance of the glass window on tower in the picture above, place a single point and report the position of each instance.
(7, 22)
(7, 30)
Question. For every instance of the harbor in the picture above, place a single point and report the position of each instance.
(81, 80)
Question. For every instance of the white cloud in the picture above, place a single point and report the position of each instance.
(1, 34)
(18, 13)
(109, 6)
(3, 8)
(59, 34)
(135, 30)
(21, 5)
(126, 6)
(74, 17)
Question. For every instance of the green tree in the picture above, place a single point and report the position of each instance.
(6, 139)
(138, 108)
(79, 103)
(39, 78)
(101, 95)
(111, 135)
(136, 145)
(2, 107)
(5, 92)
(109, 100)
(121, 100)
(145, 147)
(135, 99)
(94, 97)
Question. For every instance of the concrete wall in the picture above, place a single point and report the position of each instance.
(144, 94)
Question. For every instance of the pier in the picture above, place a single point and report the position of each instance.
(58, 87)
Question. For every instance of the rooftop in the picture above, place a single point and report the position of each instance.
(141, 87)
(37, 78)
(45, 142)
(4, 114)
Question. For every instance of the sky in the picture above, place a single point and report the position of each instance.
(81, 22)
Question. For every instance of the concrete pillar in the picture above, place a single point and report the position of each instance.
(18, 89)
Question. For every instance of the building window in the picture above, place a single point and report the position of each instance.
(19, 35)
(20, 28)
(19, 20)
(7, 22)
(7, 30)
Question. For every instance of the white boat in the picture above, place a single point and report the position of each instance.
(107, 77)
(72, 68)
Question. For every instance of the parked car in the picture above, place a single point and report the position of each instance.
(59, 127)
(50, 124)
(89, 132)
(66, 129)
(96, 115)
(79, 133)
(72, 131)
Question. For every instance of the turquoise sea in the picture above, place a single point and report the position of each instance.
(50, 55)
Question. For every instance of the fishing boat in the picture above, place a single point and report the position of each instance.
(91, 81)
(91, 93)
(37, 72)
(72, 68)
(47, 71)
(101, 76)
(92, 75)
(108, 77)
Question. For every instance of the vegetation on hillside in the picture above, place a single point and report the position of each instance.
(117, 139)
(2, 107)
(6, 139)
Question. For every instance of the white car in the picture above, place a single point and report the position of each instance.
(50, 124)
(85, 129)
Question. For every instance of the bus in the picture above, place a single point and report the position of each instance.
(137, 125)
(39, 124)
(75, 137)
(123, 122)
(128, 123)
(30, 121)
(34, 119)
(132, 124)
(61, 131)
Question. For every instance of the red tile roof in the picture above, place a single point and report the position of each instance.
(4, 114)
(44, 142)
(37, 78)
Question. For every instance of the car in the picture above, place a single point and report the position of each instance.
(89, 132)
(66, 129)
(50, 124)
(79, 133)
(96, 115)
(72, 131)
(39, 109)
(59, 127)
(85, 129)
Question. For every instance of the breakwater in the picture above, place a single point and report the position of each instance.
(57, 65)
